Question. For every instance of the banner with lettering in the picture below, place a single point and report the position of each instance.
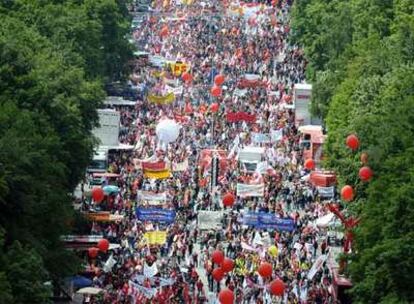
(263, 220)
(156, 237)
(155, 215)
(152, 196)
(210, 219)
(246, 190)
(260, 138)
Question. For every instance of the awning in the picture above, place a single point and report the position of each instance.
(323, 178)
(80, 281)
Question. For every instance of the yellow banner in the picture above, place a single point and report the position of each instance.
(169, 98)
(156, 237)
(157, 174)
(177, 68)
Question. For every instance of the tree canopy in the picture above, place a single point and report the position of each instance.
(55, 57)
(360, 55)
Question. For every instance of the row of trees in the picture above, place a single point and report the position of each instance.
(360, 55)
(55, 56)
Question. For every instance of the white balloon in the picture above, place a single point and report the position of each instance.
(167, 131)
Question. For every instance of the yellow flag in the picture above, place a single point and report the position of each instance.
(157, 174)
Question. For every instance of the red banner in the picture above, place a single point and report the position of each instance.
(240, 116)
(245, 83)
(156, 166)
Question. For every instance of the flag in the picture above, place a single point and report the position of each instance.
(157, 174)
(154, 166)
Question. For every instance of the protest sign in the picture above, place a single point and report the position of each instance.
(155, 215)
(209, 219)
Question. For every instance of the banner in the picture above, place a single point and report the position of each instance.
(160, 165)
(245, 190)
(98, 216)
(177, 68)
(316, 266)
(175, 90)
(146, 292)
(240, 116)
(157, 174)
(155, 215)
(151, 196)
(156, 237)
(327, 192)
(210, 220)
(245, 83)
(276, 135)
(263, 220)
(166, 99)
(179, 167)
(260, 138)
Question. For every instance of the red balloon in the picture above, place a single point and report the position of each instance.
(227, 265)
(93, 252)
(164, 31)
(98, 194)
(228, 200)
(186, 77)
(214, 107)
(218, 274)
(352, 141)
(365, 173)
(347, 193)
(219, 80)
(216, 91)
(309, 164)
(277, 287)
(103, 245)
(265, 269)
(217, 257)
(226, 296)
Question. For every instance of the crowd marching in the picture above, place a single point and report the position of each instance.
(227, 58)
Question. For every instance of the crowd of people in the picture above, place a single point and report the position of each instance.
(249, 45)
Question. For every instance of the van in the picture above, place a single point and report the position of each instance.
(99, 162)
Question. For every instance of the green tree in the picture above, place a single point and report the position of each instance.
(364, 86)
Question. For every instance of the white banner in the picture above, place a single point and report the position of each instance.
(150, 271)
(245, 190)
(151, 196)
(316, 266)
(276, 135)
(327, 192)
(209, 219)
(260, 138)
(179, 167)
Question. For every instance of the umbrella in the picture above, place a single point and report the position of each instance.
(110, 189)
(90, 290)
(80, 281)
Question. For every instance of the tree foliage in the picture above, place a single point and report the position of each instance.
(54, 59)
(365, 86)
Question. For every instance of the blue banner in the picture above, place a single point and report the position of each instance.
(155, 215)
(263, 220)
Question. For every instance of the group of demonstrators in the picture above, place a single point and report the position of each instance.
(221, 76)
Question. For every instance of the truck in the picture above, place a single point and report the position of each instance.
(302, 94)
(108, 130)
